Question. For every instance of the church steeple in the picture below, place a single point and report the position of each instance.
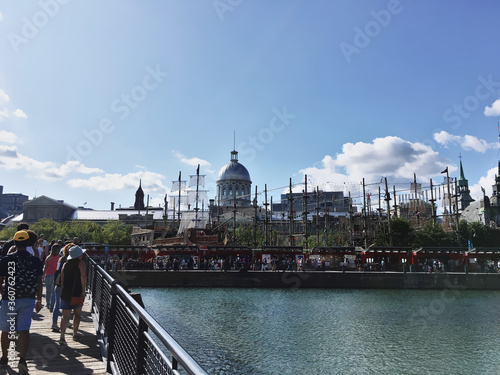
(464, 198)
(139, 198)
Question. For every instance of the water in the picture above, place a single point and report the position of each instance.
(332, 331)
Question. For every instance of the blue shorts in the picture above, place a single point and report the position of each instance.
(65, 305)
(16, 315)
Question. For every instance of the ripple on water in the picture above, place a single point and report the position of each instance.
(269, 331)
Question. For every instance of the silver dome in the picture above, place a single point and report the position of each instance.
(234, 171)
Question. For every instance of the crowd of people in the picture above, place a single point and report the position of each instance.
(28, 262)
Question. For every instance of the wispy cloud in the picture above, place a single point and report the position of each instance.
(8, 137)
(20, 113)
(190, 161)
(114, 181)
(4, 98)
(1, 17)
(467, 142)
(4, 114)
(11, 159)
(494, 110)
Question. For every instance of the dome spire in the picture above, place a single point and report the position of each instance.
(234, 156)
(234, 153)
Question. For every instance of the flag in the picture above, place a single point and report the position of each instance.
(445, 170)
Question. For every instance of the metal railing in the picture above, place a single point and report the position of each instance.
(131, 339)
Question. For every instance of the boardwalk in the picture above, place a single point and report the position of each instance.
(46, 357)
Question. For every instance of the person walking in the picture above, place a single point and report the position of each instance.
(23, 289)
(48, 271)
(73, 291)
(56, 295)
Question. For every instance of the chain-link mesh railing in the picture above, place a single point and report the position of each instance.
(132, 339)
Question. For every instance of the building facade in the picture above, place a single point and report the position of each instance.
(11, 204)
(234, 184)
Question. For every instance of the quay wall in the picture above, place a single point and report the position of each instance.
(317, 279)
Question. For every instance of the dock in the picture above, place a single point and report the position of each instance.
(118, 337)
(45, 356)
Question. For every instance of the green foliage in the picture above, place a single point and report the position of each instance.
(7, 233)
(48, 227)
(402, 232)
(245, 236)
(433, 234)
(113, 232)
(117, 233)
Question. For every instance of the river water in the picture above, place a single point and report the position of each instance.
(332, 331)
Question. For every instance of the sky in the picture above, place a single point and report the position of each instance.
(96, 96)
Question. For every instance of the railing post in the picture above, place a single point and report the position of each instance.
(140, 346)
(93, 282)
(110, 326)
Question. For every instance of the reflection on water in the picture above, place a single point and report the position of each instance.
(271, 331)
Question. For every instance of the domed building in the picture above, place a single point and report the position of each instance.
(234, 184)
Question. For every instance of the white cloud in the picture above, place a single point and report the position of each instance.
(4, 98)
(11, 159)
(390, 157)
(191, 161)
(467, 142)
(4, 114)
(20, 113)
(150, 181)
(73, 166)
(8, 137)
(494, 110)
(486, 182)
(1, 16)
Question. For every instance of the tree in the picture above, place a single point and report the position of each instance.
(7, 233)
(433, 234)
(115, 232)
(245, 236)
(48, 227)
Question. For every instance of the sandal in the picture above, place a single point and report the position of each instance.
(62, 343)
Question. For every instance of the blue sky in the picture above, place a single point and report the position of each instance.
(96, 95)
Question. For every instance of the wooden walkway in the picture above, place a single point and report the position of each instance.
(45, 356)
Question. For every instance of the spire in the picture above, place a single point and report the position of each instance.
(463, 189)
(139, 198)
(234, 153)
(462, 176)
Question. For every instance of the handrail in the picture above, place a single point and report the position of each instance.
(127, 329)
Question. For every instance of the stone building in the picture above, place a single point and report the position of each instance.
(234, 184)
(47, 208)
(11, 203)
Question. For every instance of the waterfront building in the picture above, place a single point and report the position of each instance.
(464, 198)
(139, 198)
(486, 211)
(11, 203)
(234, 184)
(44, 207)
(332, 203)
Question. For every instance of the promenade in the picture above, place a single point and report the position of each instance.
(46, 357)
